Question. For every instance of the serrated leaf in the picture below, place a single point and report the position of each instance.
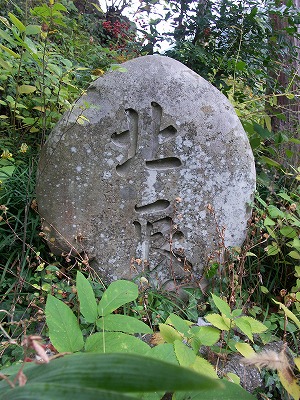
(256, 326)
(179, 324)
(234, 378)
(245, 349)
(208, 335)
(122, 323)
(245, 327)
(115, 342)
(64, 330)
(116, 295)
(219, 321)
(164, 351)
(87, 300)
(168, 333)
(203, 366)
(184, 354)
(222, 306)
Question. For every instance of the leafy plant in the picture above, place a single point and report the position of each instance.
(115, 331)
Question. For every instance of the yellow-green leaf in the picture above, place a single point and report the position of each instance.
(289, 382)
(168, 333)
(204, 367)
(18, 24)
(245, 349)
(219, 321)
(256, 326)
(288, 313)
(26, 89)
(9, 51)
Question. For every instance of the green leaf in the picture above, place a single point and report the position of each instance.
(273, 249)
(179, 324)
(111, 373)
(204, 367)
(269, 161)
(59, 7)
(9, 51)
(168, 333)
(164, 351)
(275, 212)
(256, 326)
(64, 330)
(30, 46)
(294, 254)
(5, 65)
(269, 222)
(245, 349)
(288, 313)
(219, 321)
(116, 295)
(184, 354)
(264, 290)
(87, 300)
(222, 306)
(122, 323)
(18, 24)
(230, 391)
(240, 65)
(32, 29)
(288, 232)
(6, 172)
(115, 342)
(208, 335)
(26, 89)
(237, 312)
(245, 327)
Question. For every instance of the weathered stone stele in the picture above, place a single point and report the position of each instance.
(128, 174)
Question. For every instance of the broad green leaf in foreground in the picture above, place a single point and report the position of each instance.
(231, 391)
(64, 330)
(116, 295)
(111, 373)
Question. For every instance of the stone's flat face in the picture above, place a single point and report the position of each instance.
(127, 175)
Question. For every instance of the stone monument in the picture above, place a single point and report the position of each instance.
(145, 172)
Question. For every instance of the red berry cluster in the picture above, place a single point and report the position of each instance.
(117, 28)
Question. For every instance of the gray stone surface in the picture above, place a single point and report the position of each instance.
(127, 175)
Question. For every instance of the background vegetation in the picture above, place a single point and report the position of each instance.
(49, 53)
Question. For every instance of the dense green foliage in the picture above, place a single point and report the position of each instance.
(49, 53)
